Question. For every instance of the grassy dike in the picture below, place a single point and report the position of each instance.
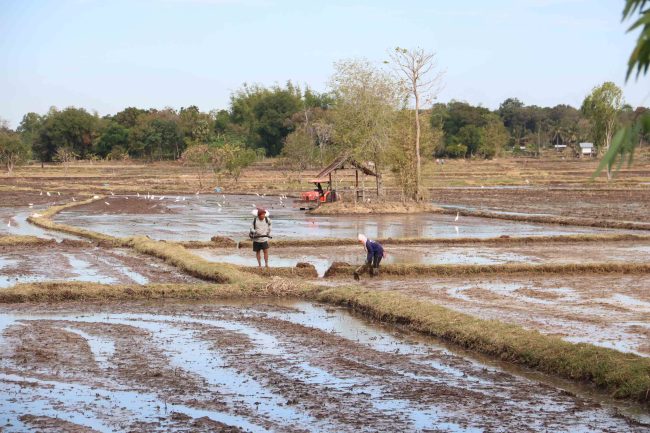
(505, 240)
(19, 241)
(339, 269)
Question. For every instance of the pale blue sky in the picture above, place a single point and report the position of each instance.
(106, 55)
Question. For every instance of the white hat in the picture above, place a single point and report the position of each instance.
(362, 238)
(254, 212)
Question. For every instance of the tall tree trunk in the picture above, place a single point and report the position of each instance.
(417, 143)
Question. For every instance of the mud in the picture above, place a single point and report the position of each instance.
(323, 257)
(200, 217)
(266, 367)
(615, 205)
(606, 310)
(64, 262)
(120, 205)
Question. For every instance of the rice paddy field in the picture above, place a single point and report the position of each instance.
(130, 300)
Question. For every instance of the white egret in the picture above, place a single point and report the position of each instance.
(48, 193)
(107, 203)
(457, 216)
(74, 199)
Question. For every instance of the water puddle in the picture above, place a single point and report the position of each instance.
(203, 216)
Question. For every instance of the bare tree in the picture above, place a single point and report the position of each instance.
(419, 70)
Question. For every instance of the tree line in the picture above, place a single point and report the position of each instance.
(367, 111)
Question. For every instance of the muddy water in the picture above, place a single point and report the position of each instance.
(606, 310)
(13, 221)
(96, 265)
(201, 217)
(323, 257)
(287, 366)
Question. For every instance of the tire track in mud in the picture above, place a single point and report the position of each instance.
(302, 368)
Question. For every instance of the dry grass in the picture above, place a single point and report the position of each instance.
(78, 291)
(620, 374)
(279, 243)
(178, 256)
(340, 269)
(14, 241)
(301, 270)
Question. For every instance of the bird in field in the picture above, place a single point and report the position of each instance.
(48, 193)
(218, 204)
(197, 193)
(456, 227)
(9, 223)
(58, 193)
(31, 204)
(41, 193)
(138, 194)
(74, 199)
(107, 203)
(457, 216)
(112, 193)
(257, 194)
(162, 198)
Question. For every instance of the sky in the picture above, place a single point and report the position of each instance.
(105, 55)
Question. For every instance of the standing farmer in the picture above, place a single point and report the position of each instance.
(260, 232)
(375, 254)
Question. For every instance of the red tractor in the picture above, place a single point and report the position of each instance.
(314, 198)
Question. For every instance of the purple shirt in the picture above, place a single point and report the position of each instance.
(374, 249)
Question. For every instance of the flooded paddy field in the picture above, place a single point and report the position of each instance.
(323, 257)
(606, 310)
(281, 366)
(13, 221)
(60, 262)
(199, 217)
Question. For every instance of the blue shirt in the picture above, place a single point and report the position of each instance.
(374, 249)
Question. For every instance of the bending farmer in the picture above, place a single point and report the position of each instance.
(260, 233)
(375, 254)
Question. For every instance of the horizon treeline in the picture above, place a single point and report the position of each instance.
(291, 122)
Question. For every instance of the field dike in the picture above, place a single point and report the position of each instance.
(560, 220)
(624, 376)
(502, 240)
(19, 241)
(342, 269)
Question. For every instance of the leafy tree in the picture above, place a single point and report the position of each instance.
(235, 158)
(157, 135)
(73, 128)
(114, 136)
(299, 151)
(29, 130)
(367, 102)
(129, 116)
(13, 150)
(626, 139)
(416, 67)
(195, 125)
(603, 106)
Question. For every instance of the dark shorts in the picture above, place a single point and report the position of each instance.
(260, 246)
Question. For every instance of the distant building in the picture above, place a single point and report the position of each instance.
(586, 149)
